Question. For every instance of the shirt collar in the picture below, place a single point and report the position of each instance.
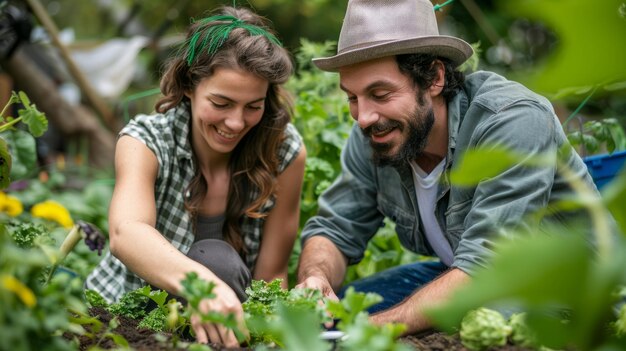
(182, 127)
(457, 107)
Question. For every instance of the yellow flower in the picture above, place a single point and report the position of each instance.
(11, 283)
(11, 205)
(53, 211)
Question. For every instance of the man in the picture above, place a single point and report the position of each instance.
(416, 116)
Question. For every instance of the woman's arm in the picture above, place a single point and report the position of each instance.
(281, 225)
(132, 219)
(135, 241)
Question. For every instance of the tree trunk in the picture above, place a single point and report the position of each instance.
(68, 119)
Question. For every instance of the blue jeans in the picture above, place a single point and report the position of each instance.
(397, 283)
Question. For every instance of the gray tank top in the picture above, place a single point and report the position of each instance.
(209, 227)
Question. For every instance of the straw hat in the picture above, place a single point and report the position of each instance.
(378, 28)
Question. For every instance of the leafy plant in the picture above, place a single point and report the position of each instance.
(164, 316)
(351, 305)
(607, 133)
(323, 118)
(483, 328)
(566, 288)
(620, 323)
(32, 312)
(521, 334)
(132, 304)
(18, 163)
(94, 299)
(93, 330)
(360, 333)
(267, 301)
(194, 291)
(291, 329)
(24, 234)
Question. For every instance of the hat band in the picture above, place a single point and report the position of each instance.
(362, 45)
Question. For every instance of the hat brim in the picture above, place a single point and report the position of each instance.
(455, 49)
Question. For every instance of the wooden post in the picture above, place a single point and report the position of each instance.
(92, 97)
(68, 119)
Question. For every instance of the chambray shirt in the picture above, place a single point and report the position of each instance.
(167, 135)
(489, 110)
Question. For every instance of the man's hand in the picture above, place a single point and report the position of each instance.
(226, 302)
(320, 284)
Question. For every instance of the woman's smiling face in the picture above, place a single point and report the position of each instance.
(224, 107)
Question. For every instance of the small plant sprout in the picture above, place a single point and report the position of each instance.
(353, 304)
(483, 328)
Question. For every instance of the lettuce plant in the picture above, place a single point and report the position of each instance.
(521, 334)
(483, 328)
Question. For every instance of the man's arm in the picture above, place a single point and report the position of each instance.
(411, 310)
(322, 266)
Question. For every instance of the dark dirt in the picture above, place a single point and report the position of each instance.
(144, 339)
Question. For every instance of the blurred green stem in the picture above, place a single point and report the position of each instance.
(583, 103)
(72, 238)
(9, 124)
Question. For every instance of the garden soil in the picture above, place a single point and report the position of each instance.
(145, 340)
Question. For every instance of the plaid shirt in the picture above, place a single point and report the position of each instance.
(167, 135)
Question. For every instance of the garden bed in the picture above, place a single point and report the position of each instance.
(144, 339)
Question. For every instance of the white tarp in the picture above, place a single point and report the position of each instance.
(110, 67)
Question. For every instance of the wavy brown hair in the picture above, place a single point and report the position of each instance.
(254, 161)
(422, 70)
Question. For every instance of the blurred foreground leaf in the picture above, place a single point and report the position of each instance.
(590, 49)
(551, 277)
(480, 164)
(614, 195)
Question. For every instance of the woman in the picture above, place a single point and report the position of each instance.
(211, 183)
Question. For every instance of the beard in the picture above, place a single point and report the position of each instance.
(419, 125)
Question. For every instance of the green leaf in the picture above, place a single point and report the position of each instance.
(351, 305)
(481, 163)
(36, 120)
(24, 99)
(546, 274)
(5, 164)
(118, 339)
(559, 265)
(603, 27)
(24, 152)
(94, 299)
(614, 196)
(296, 329)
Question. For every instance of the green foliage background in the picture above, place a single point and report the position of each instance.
(566, 49)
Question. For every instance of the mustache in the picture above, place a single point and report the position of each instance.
(382, 126)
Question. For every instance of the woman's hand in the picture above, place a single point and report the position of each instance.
(225, 303)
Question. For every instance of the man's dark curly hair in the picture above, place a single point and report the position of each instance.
(421, 69)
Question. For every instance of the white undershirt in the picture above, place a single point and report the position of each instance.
(426, 186)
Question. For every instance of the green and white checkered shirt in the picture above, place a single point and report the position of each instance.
(167, 135)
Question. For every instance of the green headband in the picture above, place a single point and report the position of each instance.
(216, 35)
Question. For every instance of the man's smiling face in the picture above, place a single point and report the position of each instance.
(393, 114)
